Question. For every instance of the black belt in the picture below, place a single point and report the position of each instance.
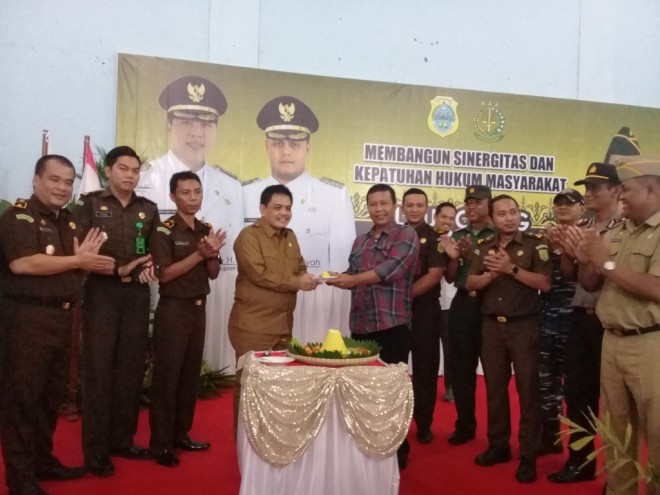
(510, 319)
(38, 301)
(197, 301)
(587, 311)
(623, 332)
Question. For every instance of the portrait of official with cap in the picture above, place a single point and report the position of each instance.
(193, 106)
(323, 218)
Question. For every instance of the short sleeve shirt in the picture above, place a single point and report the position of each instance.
(429, 257)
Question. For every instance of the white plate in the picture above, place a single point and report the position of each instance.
(326, 279)
(276, 360)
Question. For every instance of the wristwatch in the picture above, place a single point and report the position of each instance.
(608, 266)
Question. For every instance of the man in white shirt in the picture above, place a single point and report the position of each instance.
(323, 218)
(193, 106)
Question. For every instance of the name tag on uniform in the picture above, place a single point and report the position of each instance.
(45, 229)
(182, 243)
(103, 214)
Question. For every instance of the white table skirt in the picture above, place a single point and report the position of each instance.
(333, 465)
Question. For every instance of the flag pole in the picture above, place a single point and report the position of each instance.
(44, 142)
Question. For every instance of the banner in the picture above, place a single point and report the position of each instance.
(438, 139)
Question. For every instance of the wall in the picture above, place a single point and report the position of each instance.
(59, 59)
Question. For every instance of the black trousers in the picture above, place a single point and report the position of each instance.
(395, 344)
(582, 384)
(465, 340)
(178, 344)
(447, 355)
(425, 359)
(114, 345)
(35, 346)
(505, 344)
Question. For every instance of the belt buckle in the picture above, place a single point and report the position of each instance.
(501, 319)
(198, 302)
(66, 305)
(472, 293)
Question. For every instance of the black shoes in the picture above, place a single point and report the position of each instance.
(58, 472)
(572, 474)
(191, 445)
(100, 465)
(460, 437)
(134, 452)
(493, 455)
(424, 435)
(167, 458)
(31, 489)
(526, 472)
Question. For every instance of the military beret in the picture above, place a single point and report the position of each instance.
(286, 117)
(478, 192)
(629, 167)
(193, 97)
(598, 173)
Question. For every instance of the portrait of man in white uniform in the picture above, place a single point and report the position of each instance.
(323, 218)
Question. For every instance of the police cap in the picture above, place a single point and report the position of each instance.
(286, 117)
(571, 195)
(478, 192)
(598, 173)
(629, 167)
(193, 97)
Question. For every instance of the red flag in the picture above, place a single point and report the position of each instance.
(90, 175)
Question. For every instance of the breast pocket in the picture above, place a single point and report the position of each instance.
(640, 257)
(355, 260)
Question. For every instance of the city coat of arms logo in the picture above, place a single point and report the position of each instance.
(443, 117)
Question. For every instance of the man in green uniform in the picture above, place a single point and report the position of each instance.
(626, 264)
(187, 254)
(40, 267)
(465, 313)
(510, 269)
(116, 314)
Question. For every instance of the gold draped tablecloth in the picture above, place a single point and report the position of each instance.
(283, 407)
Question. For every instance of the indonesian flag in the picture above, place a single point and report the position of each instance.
(90, 175)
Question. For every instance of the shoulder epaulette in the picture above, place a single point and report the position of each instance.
(332, 182)
(20, 203)
(485, 239)
(250, 181)
(169, 223)
(226, 172)
(583, 222)
(613, 223)
(91, 193)
(534, 235)
(206, 224)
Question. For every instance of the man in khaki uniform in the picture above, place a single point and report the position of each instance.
(626, 263)
(271, 271)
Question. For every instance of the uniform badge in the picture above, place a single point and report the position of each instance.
(520, 253)
(443, 118)
(592, 169)
(198, 302)
(543, 252)
(23, 216)
(43, 222)
(72, 225)
(50, 250)
(164, 230)
(103, 208)
(476, 252)
(422, 240)
(142, 215)
(196, 92)
(286, 111)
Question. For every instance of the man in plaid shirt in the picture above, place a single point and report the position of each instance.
(382, 265)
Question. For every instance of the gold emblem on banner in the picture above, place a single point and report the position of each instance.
(489, 122)
(286, 111)
(443, 117)
(50, 250)
(196, 92)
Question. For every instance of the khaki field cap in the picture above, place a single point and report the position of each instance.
(629, 167)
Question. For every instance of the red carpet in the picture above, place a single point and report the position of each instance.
(437, 468)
